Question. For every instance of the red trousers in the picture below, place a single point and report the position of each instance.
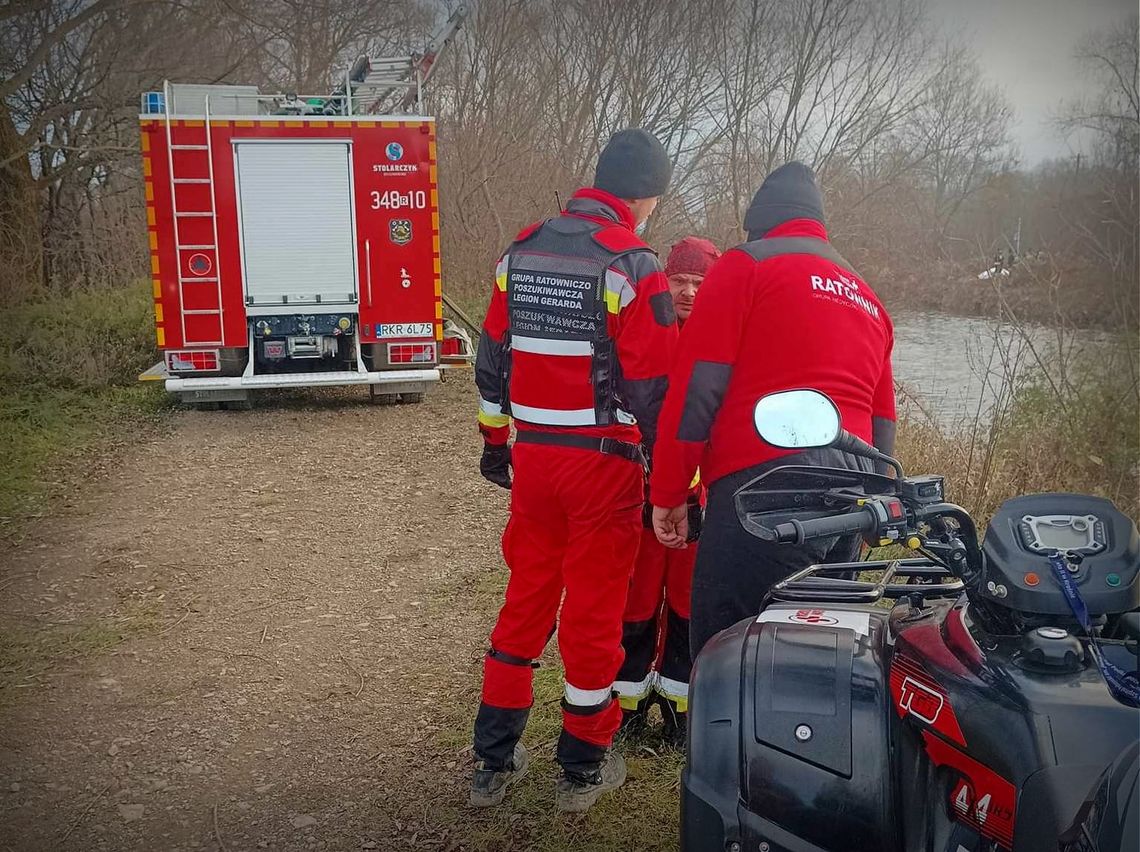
(660, 574)
(656, 628)
(574, 531)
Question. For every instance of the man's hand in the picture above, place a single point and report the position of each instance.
(496, 464)
(671, 526)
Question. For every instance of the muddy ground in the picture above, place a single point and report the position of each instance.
(263, 630)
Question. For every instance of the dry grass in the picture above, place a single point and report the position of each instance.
(1072, 429)
(28, 655)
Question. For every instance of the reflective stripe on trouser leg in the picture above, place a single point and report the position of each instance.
(632, 693)
(676, 662)
(676, 691)
(603, 496)
(635, 677)
(639, 630)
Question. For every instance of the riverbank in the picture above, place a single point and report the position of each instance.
(1036, 292)
(1058, 427)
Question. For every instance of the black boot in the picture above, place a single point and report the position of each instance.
(489, 786)
(577, 792)
(633, 722)
(676, 727)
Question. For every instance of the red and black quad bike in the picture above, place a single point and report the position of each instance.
(980, 696)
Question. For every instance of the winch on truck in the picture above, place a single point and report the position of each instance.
(294, 241)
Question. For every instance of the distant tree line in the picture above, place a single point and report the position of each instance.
(911, 142)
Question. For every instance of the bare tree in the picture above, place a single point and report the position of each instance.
(907, 137)
(1110, 58)
(298, 45)
(30, 32)
(1110, 218)
(961, 136)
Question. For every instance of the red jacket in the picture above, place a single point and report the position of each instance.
(555, 383)
(794, 320)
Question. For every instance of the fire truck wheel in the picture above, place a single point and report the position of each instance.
(207, 406)
(238, 405)
(383, 398)
(411, 398)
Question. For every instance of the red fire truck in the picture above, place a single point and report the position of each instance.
(294, 241)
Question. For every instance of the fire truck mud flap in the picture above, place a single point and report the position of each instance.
(393, 381)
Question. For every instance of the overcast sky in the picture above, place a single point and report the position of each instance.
(1026, 47)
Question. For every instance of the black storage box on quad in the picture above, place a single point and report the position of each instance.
(787, 720)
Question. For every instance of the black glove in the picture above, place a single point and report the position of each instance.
(647, 509)
(496, 464)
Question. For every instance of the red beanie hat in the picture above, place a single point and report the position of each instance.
(691, 256)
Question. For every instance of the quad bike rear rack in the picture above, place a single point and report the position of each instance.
(924, 576)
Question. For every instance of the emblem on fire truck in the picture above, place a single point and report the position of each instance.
(400, 231)
(394, 151)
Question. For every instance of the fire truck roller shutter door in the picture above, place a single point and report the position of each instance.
(296, 223)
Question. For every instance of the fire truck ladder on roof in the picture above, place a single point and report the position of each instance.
(370, 85)
(209, 249)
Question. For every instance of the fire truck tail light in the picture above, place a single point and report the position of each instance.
(192, 360)
(411, 353)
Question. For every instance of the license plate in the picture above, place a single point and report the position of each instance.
(405, 329)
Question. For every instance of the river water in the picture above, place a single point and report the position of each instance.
(956, 366)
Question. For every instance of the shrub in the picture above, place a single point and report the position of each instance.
(68, 380)
(88, 340)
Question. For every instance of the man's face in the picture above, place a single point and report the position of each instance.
(683, 288)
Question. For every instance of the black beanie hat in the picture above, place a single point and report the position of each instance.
(633, 165)
(790, 192)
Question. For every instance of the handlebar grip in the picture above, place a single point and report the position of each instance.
(797, 532)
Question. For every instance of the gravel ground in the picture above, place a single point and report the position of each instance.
(263, 630)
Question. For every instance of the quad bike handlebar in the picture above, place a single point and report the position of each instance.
(862, 520)
(913, 515)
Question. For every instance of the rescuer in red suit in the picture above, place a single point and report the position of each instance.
(655, 633)
(784, 310)
(575, 348)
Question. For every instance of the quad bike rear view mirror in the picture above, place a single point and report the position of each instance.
(797, 420)
(807, 419)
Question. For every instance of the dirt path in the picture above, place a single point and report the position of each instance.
(263, 630)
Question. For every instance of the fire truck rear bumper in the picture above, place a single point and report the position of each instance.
(301, 380)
